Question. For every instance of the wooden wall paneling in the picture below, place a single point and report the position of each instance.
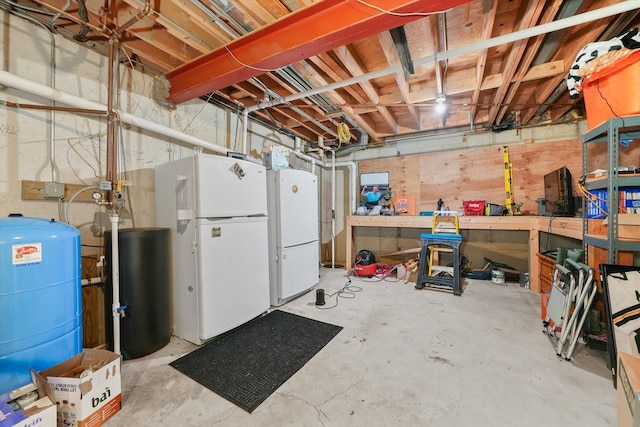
(455, 176)
(404, 173)
(93, 328)
(405, 239)
(506, 247)
(598, 155)
(532, 161)
(476, 174)
(597, 256)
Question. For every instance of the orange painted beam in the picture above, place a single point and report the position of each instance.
(317, 28)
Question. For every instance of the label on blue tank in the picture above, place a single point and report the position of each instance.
(26, 253)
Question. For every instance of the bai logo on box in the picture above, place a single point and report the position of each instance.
(95, 401)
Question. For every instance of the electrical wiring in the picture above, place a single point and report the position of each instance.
(235, 58)
(549, 232)
(593, 199)
(197, 114)
(607, 102)
(132, 80)
(77, 140)
(344, 134)
(68, 221)
(388, 12)
(347, 291)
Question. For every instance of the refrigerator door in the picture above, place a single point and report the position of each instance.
(297, 270)
(174, 209)
(297, 207)
(227, 187)
(233, 273)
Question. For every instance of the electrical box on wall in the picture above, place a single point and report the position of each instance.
(53, 190)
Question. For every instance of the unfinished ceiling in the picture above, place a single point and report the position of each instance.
(384, 69)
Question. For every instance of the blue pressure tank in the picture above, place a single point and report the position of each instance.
(40, 297)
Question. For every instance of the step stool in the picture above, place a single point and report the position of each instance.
(433, 243)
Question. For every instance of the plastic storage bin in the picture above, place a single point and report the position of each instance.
(473, 207)
(613, 91)
(629, 202)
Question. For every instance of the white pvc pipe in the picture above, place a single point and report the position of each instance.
(245, 130)
(353, 169)
(333, 209)
(91, 281)
(538, 30)
(115, 282)
(47, 92)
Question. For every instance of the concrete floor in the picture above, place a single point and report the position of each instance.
(404, 358)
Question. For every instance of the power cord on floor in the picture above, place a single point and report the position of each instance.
(347, 291)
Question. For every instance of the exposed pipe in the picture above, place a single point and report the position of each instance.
(55, 17)
(91, 281)
(84, 16)
(52, 124)
(144, 12)
(560, 24)
(112, 148)
(38, 89)
(245, 130)
(72, 18)
(333, 209)
(353, 169)
(20, 106)
(52, 83)
(232, 32)
(115, 272)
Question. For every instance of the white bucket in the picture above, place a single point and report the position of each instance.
(497, 277)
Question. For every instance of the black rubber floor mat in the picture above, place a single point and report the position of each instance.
(248, 364)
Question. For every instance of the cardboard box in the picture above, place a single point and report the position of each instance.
(405, 205)
(277, 158)
(38, 411)
(628, 390)
(91, 382)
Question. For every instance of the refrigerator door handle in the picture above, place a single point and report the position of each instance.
(184, 213)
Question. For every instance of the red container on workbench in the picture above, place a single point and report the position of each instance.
(473, 207)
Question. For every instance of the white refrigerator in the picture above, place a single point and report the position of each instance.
(216, 207)
(294, 252)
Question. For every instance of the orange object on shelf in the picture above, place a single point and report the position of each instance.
(613, 91)
(405, 205)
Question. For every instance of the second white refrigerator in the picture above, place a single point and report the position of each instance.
(294, 258)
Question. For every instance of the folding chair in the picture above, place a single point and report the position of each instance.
(585, 293)
(559, 306)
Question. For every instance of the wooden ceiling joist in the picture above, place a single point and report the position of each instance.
(317, 28)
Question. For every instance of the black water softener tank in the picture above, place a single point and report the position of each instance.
(145, 290)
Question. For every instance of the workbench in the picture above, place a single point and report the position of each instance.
(567, 227)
